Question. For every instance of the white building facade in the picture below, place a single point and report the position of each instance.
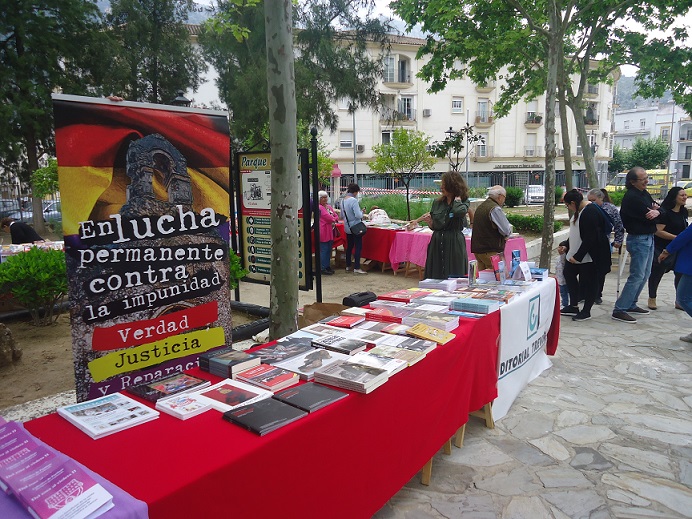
(513, 152)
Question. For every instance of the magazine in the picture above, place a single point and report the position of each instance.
(183, 406)
(107, 414)
(229, 394)
(390, 352)
(167, 387)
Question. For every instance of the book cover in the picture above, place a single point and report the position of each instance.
(167, 387)
(310, 397)
(354, 310)
(183, 406)
(495, 262)
(231, 362)
(268, 377)
(349, 375)
(395, 329)
(319, 329)
(229, 394)
(282, 350)
(415, 344)
(340, 343)
(107, 414)
(405, 295)
(473, 272)
(390, 365)
(443, 321)
(15, 469)
(306, 364)
(264, 416)
(430, 333)
(345, 321)
(391, 352)
(390, 315)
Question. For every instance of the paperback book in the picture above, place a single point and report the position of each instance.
(229, 394)
(414, 344)
(228, 362)
(310, 397)
(345, 321)
(390, 352)
(388, 314)
(268, 377)
(406, 295)
(283, 349)
(448, 285)
(443, 321)
(264, 416)
(183, 406)
(306, 364)
(349, 375)
(479, 306)
(391, 366)
(354, 310)
(168, 387)
(107, 414)
(430, 333)
(340, 344)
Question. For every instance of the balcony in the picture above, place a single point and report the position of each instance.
(533, 151)
(591, 92)
(484, 120)
(391, 116)
(483, 153)
(533, 120)
(591, 121)
(488, 87)
(400, 81)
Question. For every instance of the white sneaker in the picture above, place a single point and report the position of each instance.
(359, 271)
(348, 269)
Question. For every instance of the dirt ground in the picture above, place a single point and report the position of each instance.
(46, 365)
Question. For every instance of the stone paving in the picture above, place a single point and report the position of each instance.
(605, 433)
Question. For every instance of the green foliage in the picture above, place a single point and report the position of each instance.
(37, 279)
(44, 181)
(530, 223)
(237, 272)
(478, 192)
(620, 161)
(396, 206)
(153, 57)
(514, 196)
(616, 196)
(454, 144)
(559, 193)
(404, 157)
(648, 153)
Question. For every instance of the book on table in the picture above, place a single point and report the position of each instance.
(229, 394)
(306, 363)
(479, 306)
(387, 314)
(443, 321)
(283, 349)
(354, 310)
(107, 414)
(310, 397)
(349, 375)
(448, 285)
(183, 406)
(226, 362)
(412, 343)
(340, 344)
(430, 333)
(406, 294)
(268, 377)
(391, 366)
(168, 387)
(345, 321)
(264, 416)
(391, 352)
(320, 329)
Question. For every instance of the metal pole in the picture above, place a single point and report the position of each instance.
(467, 146)
(355, 176)
(670, 162)
(316, 215)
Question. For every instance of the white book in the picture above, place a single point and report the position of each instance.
(183, 406)
(229, 394)
(390, 365)
(306, 363)
(107, 414)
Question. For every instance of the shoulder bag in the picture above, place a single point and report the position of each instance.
(358, 229)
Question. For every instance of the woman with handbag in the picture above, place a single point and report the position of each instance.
(354, 227)
(328, 219)
(673, 221)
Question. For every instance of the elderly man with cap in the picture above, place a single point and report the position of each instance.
(490, 228)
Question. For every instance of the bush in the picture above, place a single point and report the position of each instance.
(478, 192)
(559, 193)
(236, 270)
(514, 196)
(616, 196)
(37, 279)
(531, 223)
(395, 205)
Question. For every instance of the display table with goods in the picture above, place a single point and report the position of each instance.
(370, 444)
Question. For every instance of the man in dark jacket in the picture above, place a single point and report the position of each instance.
(490, 228)
(638, 212)
(20, 232)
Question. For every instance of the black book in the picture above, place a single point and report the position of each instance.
(227, 364)
(167, 387)
(340, 343)
(264, 416)
(310, 397)
(283, 349)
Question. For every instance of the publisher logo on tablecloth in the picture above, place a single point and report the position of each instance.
(534, 316)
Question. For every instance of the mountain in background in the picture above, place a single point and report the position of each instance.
(198, 15)
(626, 99)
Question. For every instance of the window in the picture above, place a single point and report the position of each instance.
(387, 137)
(592, 89)
(482, 146)
(580, 152)
(642, 123)
(688, 152)
(343, 103)
(665, 133)
(627, 125)
(406, 108)
(483, 115)
(530, 150)
(404, 72)
(688, 135)
(457, 105)
(346, 139)
(389, 69)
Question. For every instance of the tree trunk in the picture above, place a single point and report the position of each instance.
(36, 203)
(564, 126)
(554, 39)
(285, 187)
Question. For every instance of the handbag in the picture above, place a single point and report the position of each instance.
(669, 263)
(359, 229)
(335, 232)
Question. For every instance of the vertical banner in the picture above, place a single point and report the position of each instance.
(524, 327)
(254, 216)
(145, 195)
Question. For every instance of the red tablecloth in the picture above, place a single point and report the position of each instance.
(413, 247)
(377, 243)
(345, 460)
(341, 240)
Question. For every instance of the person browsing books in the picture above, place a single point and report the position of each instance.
(490, 228)
(19, 231)
(352, 214)
(328, 220)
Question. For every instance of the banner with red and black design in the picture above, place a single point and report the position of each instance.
(145, 193)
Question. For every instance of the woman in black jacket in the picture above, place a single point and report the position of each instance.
(588, 256)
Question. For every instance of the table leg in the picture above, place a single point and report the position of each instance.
(486, 412)
(459, 436)
(447, 448)
(427, 473)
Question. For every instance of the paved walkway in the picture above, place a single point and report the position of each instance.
(605, 433)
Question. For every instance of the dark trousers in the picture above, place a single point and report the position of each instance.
(351, 242)
(657, 272)
(582, 281)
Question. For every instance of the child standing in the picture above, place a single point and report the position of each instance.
(559, 274)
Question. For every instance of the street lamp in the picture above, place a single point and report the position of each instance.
(336, 182)
(181, 100)
(450, 135)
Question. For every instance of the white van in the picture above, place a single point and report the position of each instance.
(534, 194)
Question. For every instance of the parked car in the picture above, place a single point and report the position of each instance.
(686, 185)
(8, 206)
(51, 212)
(534, 194)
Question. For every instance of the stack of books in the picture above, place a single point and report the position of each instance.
(390, 352)
(430, 333)
(478, 306)
(310, 397)
(390, 365)
(168, 387)
(266, 376)
(305, 364)
(406, 295)
(340, 344)
(107, 414)
(443, 321)
(388, 314)
(227, 362)
(448, 285)
(345, 321)
(183, 406)
(283, 349)
(264, 416)
(229, 394)
(349, 375)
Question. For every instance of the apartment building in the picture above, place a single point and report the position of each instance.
(667, 121)
(513, 152)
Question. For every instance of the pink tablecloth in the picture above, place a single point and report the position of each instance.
(413, 247)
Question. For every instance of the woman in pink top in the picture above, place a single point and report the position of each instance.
(328, 219)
